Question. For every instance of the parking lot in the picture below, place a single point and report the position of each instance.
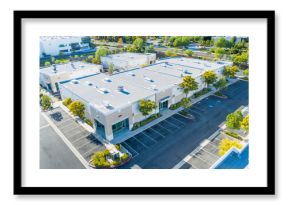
(54, 153)
(168, 142)
(84, 142)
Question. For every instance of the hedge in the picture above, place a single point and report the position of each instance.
(234, 135)
(146, 121)
(202, 92)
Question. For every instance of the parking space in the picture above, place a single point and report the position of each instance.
(83, 141)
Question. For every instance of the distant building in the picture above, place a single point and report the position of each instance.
(128, 61)
(112, 102)
(50, 76)
(55, 45)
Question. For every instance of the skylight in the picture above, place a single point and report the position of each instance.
(104, 90)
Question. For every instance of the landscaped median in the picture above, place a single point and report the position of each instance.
(110, 160)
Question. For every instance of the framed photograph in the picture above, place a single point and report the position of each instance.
(144, 102)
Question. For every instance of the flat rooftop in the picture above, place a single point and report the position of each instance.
(195, 63)
(127, 56)
(112, 92)
(70, 67)
(51, 38)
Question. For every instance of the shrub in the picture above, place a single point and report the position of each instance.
(99, 159)
(89, 122)
(219, 93)
(146, 121)
(45, 102)
(77, 108)
(227, 144)
(183, 112)
(233, 134)
(202, 92)
(124, 157)
(118, 146)
(66, 102)
(175, 106)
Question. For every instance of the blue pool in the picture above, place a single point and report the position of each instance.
(235, 160)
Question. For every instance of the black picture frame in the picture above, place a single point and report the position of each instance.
(268, 190)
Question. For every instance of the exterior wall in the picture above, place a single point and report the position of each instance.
(163, 94)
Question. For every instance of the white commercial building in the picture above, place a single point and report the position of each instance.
(128, 61)
(112, 102)
(54, 45)
(50, 76)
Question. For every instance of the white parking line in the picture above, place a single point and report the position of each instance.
(157, 132)
(67, 142)
(61, 123)
(201, 159)
(177, 120)
(171, 123)
(73, 129)
(89, 142)
(140, 142)
(149, 137)
(137, 153)
(44, 126)
(90, 150)
(165, 128)
(80, 137)
(210, 153)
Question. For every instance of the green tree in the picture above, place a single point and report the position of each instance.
(245, 123)
(77, 108)
(230, 71)
(241, 58)
(139, 44)
(219, 52)
(209, 77)
(102, 51)
(111, 69)
(188, 52)
(227, 144)
(146, 107)
(45, 102)
(188, 84)
(233, 120)
(221, 83)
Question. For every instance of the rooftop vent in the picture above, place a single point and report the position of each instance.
(121, 89)
(104, 90)
(131, 74)
(149, 79)
(153, 87)
(186, 71)
(89, 83)
(108, 105)
(108, 80)
(75, 81)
